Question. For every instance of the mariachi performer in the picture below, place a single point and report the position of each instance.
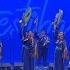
(23, 26)
(43, 44)
(60, 44)
(27, 41)
(60, 52)
(28, 52)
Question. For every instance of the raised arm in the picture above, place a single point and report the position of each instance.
(56, 22)
(24, 21)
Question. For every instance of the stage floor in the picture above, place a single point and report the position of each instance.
(20, 66)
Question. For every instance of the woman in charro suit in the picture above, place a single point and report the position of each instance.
(60, 52)
(28, 52)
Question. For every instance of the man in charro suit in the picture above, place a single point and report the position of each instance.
(43, 44)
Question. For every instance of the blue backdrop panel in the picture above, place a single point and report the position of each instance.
(10, 14)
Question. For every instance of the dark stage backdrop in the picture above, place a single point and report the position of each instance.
(10, 14)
